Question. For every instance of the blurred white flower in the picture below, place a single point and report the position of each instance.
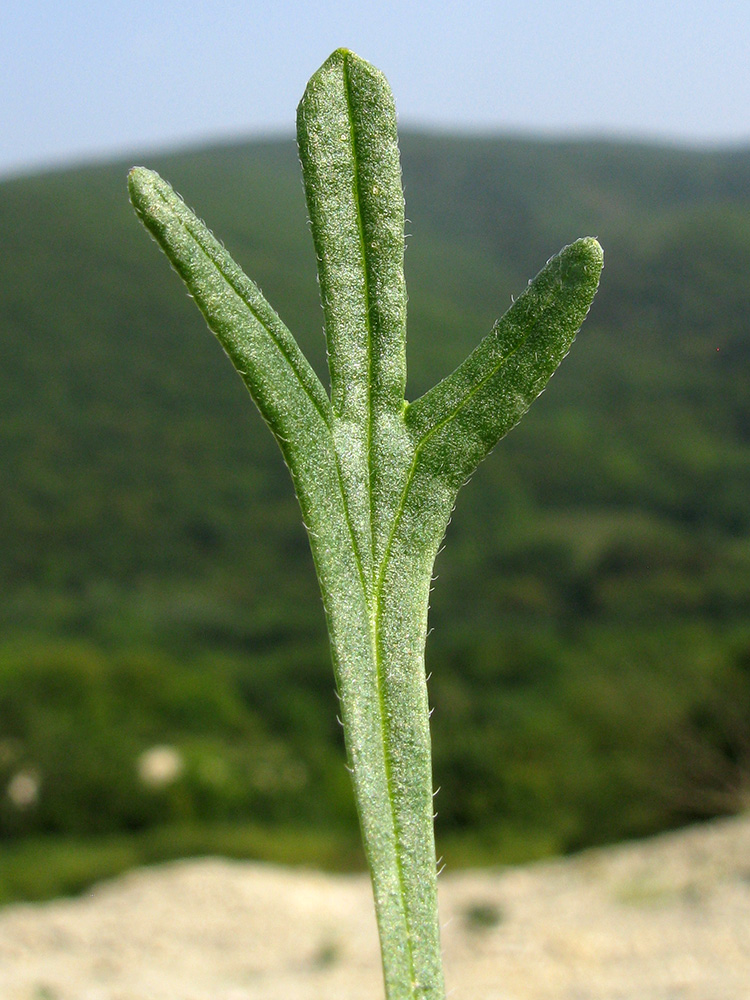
(23, 789)
(159, 766)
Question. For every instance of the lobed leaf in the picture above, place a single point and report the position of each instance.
(376, 478)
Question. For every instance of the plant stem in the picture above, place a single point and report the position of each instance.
(381, 682)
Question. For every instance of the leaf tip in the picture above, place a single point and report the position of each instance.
(593, 248)
(581, 263)
(589, 254)
(142, 185)
(340, 61)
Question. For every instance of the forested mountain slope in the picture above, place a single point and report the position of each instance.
(591, 655)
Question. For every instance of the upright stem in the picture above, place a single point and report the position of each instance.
(381, 681)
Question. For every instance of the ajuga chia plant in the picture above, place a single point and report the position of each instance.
(376, 477)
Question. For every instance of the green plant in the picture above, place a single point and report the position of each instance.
(376, 477)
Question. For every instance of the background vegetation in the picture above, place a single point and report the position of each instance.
(591, 654)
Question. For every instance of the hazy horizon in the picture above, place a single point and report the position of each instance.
(198, 145)
(85, 85)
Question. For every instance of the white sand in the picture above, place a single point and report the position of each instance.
(665, 919)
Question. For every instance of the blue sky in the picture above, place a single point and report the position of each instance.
(82, 81)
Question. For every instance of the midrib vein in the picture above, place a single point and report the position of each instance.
(367, 318)
(373, 600)
(419, 447)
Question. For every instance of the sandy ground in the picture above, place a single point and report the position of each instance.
(665, 919)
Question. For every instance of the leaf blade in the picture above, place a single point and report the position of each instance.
(458, 422)
(348, 144)
(262, 349)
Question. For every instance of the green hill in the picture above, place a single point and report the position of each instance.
(591, 655)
